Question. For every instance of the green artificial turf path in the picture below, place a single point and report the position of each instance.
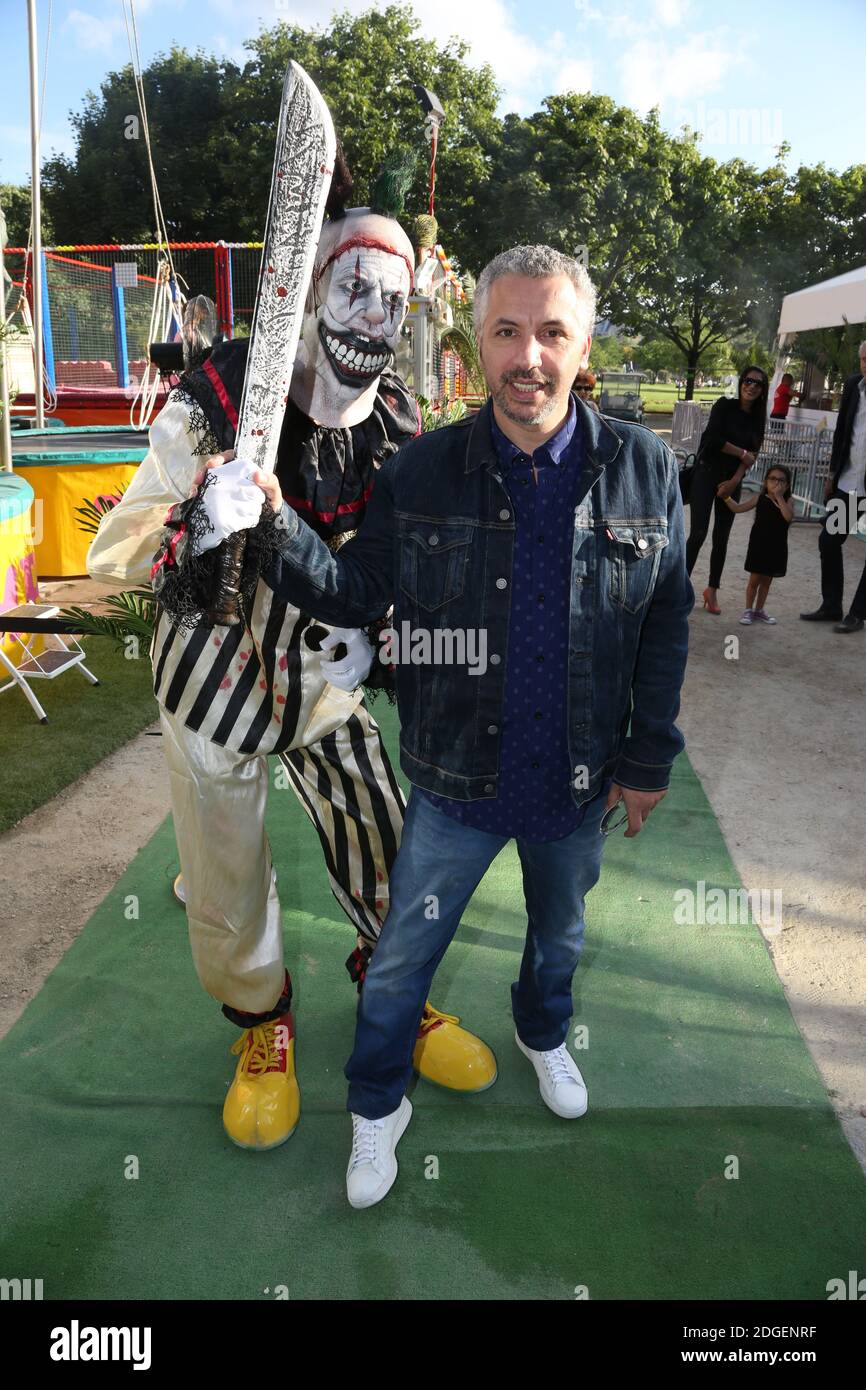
(121, 1063)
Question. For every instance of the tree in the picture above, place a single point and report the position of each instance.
(365, 66)
(213, 125)
(588, 177)
(15, 201)
(104, 194)
(708, 288)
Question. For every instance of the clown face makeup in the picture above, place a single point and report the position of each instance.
(355, 311)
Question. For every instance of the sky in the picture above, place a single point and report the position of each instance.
(748, 73)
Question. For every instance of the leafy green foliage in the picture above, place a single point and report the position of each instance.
(681, 247)
(588, 177)
(434, 417)
(133, 614)
(16, 204)
(462, 340)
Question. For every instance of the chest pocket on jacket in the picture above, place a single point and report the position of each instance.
(635, 555)
(433, 561)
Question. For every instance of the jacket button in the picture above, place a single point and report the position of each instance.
(489, 787)
(493, 728)
(502, 583)
(433, 540)
(504, 515)
(642, 544)
(495, 660)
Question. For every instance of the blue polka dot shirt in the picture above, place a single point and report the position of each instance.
(534, 801)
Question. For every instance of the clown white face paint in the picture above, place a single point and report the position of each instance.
(355, 310)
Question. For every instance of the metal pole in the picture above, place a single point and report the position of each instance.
(36, 196)
(5, 427)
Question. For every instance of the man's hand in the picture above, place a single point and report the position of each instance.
(638, 805)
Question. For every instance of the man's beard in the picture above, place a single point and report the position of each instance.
(549, 384)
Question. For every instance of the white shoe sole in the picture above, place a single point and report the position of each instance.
(548, 1101)
(391, 1176)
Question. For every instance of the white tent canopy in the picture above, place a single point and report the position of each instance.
(830, 304)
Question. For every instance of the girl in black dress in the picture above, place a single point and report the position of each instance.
(767, 555)
(729, 446)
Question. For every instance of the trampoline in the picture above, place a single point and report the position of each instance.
(67, 468)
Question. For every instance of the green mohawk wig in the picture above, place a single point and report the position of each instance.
(392, 185)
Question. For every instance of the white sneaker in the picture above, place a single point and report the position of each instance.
(561, 1084)
(372, 1167)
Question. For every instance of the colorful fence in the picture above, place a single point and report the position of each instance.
(97, 301)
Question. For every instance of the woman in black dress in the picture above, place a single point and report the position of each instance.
(729, 447)
(767, 553)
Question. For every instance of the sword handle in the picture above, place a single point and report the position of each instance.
(225, 605)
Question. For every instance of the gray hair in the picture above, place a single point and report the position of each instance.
(537, 262)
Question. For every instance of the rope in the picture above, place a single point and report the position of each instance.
(49, 397)
(162, 314)
(168, 298)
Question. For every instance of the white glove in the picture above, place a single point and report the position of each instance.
(348, 673)
(232, 503)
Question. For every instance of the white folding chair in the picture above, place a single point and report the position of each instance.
(46, 665)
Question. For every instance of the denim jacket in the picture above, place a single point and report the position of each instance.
(437, 541)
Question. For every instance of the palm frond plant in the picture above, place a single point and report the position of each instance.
(461, 339)
(133, 611)
(90, 515)
(133, 614)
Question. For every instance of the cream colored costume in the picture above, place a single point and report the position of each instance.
(229, 697)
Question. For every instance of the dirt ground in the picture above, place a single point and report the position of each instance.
(774, 730)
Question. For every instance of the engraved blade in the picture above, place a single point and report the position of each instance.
(303, 165)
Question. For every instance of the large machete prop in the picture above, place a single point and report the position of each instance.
(303, 166)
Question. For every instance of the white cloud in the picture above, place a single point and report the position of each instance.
(523, 65)
(574, 76)
(94, 32)
(655, 72)
(671, 12)
(223, 47)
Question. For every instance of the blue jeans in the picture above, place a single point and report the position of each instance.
(438, 868)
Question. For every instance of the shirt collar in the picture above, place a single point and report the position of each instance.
(551, 452)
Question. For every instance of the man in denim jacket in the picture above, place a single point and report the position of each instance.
(535, 558)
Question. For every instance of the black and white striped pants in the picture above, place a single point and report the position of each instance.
(346, 785)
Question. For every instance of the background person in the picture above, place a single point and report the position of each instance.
(767, 554)
(729, 447)
(783, 396)
(847, 483)
(583, 387)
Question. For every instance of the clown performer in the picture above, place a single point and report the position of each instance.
(229, 696)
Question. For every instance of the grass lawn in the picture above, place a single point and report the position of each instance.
(663, 398)
(86, 723)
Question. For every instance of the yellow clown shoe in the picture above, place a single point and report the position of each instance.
(263, 1103)
(450, 1056)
